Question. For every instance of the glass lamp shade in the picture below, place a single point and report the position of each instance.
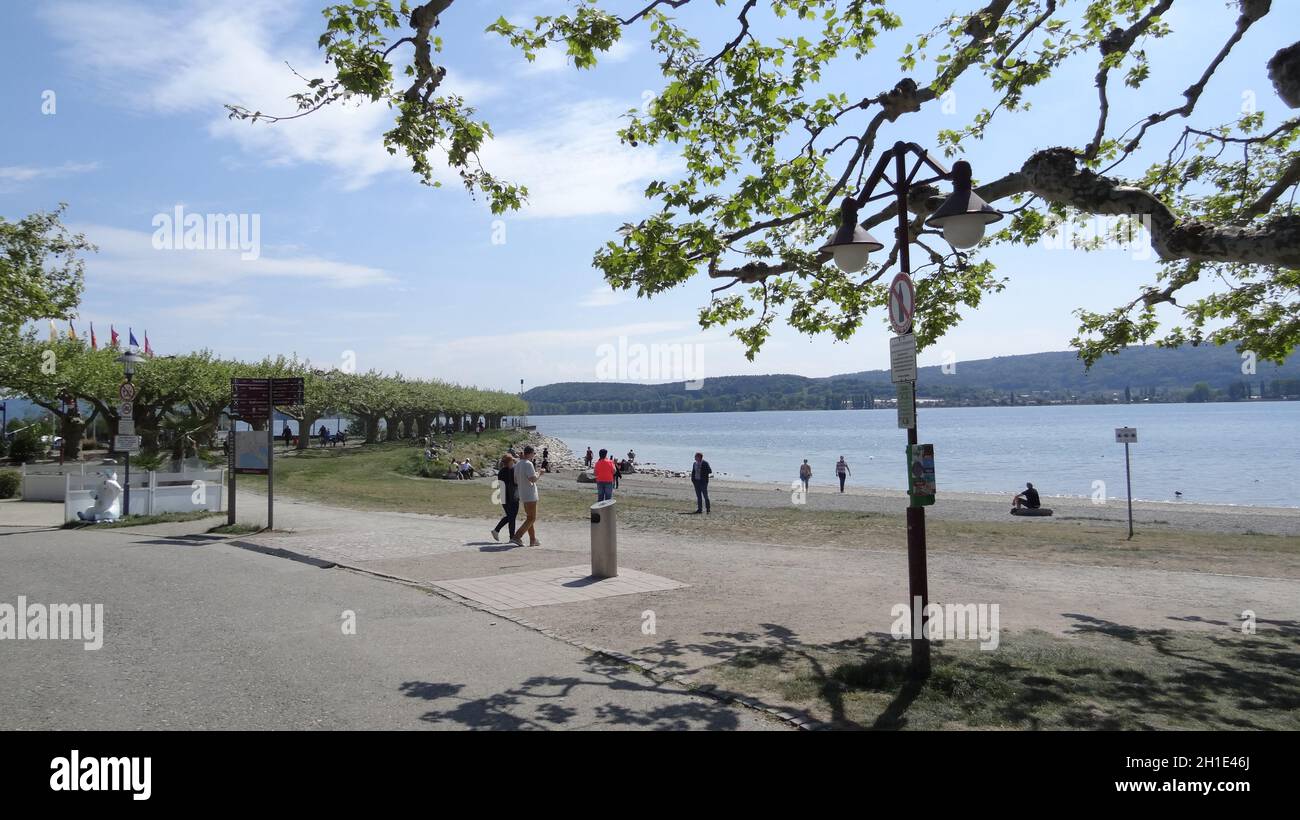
(963, 215)
(964, 230)
(850, 247)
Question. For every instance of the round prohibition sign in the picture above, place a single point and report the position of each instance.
(126, 391)
(902, 303)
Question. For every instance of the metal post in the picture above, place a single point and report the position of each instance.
(126, 492)
(230, 473)
(270, 457)
(1128, 479)
(916, 573)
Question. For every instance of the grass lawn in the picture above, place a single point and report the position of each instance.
(1108, 677)
(141, 520)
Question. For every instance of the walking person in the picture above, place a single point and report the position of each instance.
(842, 471)
(605, 471)
(324, 435)
(510, 504)
(526, 478)
(805, 473)
(618, 471)
(586, 460)
(700, 472)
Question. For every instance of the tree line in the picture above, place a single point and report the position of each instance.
(180, 400)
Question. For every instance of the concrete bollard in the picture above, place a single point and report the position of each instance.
(604, 540)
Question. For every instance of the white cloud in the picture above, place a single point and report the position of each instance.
(11, 176)
(130, 257)
(553, 59)
(194, 59)
(574, 165)
(604, 296)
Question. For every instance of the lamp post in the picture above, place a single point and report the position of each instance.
(962, 218)
(128, 360)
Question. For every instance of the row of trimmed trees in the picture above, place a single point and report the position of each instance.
(183, 398)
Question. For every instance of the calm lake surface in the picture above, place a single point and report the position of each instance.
(1227, 453)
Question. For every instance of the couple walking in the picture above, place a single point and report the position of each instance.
(519, 478)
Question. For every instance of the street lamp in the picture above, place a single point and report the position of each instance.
(962, 218)
(128, 360)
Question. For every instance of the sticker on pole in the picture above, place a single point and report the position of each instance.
(920, 473)
(906, 405)
(902, 303)
(1126, 435)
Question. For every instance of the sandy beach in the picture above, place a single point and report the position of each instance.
(950, 506)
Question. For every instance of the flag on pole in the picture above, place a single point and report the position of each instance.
(148, 351)
(54, 332)
(112, 342)
(93, 344)
(130, 338)
(72, 331)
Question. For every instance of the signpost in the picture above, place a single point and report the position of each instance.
(125, 435)
(1127, 436)
(253, 400)
(902, 358)
(902, 303)
(906, 405)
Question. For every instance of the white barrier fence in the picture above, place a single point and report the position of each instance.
(151, 493)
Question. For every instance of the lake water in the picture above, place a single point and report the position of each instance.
(1230, 453)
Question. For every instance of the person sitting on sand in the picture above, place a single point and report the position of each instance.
(1027, 498)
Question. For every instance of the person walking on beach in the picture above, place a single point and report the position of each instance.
(605, 470)
(842, 471)
(586, 460)
(526, 478)
(700, 472)
(618, 471)
(510, 501)
(805, 473)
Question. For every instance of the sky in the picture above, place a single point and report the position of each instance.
(117, 109)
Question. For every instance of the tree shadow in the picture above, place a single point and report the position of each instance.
(600, 697)
(1117, 677)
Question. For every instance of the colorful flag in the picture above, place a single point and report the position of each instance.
(112, 342)
(148, 351)
(93, 344)
(72, 331)
(130, 338)
(54, 332)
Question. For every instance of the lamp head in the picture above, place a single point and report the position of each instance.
(851, 243)
(963, 215)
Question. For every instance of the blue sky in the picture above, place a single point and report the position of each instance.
(357, 256)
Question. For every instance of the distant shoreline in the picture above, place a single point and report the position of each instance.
(927, 403)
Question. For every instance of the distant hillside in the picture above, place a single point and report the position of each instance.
(1144, 373)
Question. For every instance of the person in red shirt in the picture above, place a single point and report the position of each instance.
(604, 477)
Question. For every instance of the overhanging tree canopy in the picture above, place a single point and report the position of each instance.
(769, 153)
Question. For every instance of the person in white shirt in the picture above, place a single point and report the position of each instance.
(526, 478)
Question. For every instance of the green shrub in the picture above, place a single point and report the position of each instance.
(9, 482)
(147, 460)
(26, 447)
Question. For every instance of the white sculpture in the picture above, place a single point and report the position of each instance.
(108, 502)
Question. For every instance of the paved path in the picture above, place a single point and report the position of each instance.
(743, 594)
(200, 634)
